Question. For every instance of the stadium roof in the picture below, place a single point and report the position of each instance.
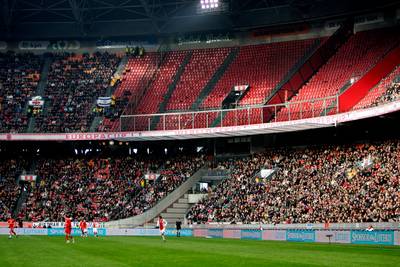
(95, 18)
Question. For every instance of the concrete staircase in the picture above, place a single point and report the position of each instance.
(23, 196)
(215, 78)
(176, 212)
(171, 88)
(41, 87)
(110, 90)
(172, 207)
(316, 57)
(44, 75)
(219, 119)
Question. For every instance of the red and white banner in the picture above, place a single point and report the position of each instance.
(28, 178)
(151, 176)
(36, 101)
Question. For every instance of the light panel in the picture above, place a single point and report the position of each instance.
(209, 4)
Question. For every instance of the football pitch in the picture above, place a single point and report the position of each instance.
(151, 251)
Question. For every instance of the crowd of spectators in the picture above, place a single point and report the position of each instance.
(9, 186)
(173, 174)
(74, 84)
(19, 77)
(391, 94)
(335, 184)
(103, 189)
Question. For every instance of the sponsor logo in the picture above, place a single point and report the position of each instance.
(300, 235)
(74, 232)
(251, 234)
(32, 231)
(374, 237)
(146, 232)
(94, 136)
(217, 233)
(184, 232)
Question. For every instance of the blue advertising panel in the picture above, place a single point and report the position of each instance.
(216, 233)
(254, 234)
(184, 232)
(74, 232)
(372, 237)
(342, 236)
(146, 231)
(300, 235)
(31, 231)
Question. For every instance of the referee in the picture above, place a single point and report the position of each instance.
(178, 228)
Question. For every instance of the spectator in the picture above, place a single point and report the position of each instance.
(9, 187)
(74, 84)
(391, 94)
(337, 184)
(19, 77)
(105, 189)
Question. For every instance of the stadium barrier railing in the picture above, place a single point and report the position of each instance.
(239, 116)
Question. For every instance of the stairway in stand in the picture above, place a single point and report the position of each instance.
(41, 87)
(177, 211)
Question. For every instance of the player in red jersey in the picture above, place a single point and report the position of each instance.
(85, 230)
(83, 226)
(68, 229)
(162, 224)
(11, 224)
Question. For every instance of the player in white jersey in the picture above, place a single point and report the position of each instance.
(95, 231)
(162, 225)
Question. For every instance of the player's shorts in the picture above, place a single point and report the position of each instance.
(94, 230)
(68, 231)
(85, 230)
(162, 231)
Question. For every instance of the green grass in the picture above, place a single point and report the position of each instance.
(151, 251)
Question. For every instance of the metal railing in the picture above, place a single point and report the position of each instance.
(242, 115)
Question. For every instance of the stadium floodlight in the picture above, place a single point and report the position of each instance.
(207, 6)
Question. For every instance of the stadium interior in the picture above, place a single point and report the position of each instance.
(225, 115)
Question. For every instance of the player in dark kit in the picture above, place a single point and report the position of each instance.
(178, 228)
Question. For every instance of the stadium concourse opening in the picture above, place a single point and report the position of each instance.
(186, 133)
